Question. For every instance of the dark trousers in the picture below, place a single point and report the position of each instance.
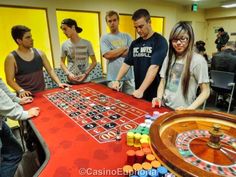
(10, 152)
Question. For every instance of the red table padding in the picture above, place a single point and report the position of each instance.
(72, 151)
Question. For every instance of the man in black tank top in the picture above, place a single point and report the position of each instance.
(24, 66)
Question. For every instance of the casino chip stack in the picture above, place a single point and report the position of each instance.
(130, 138)
(130, 157)
(140, 160)
(139, 136)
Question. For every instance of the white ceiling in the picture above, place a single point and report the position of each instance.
(203, 4)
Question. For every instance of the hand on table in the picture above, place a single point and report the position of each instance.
(116, 85)
(26, 100)
(156, 102)
(63, 85)
(33, 112)
(138, 94)
(25, 93)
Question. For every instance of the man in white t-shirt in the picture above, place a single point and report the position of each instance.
(77, 51)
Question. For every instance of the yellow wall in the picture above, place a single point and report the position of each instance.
(166, 10)
(35, 19)
(157, 24)
(126, 25)
(170, 11)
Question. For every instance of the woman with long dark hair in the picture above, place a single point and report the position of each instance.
(183, 71)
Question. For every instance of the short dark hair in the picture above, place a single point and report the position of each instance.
(200, 45)
(141, 13)
(221, 29)
(18, 31)
(200, 48)
(111, 13)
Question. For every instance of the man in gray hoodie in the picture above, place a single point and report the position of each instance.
(10, 149)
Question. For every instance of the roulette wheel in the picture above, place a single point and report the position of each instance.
(196, 143)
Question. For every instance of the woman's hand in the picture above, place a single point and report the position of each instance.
(156, 102)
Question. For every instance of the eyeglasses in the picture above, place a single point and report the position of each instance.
(182, 40)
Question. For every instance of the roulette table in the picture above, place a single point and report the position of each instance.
(196, 143)
(77, 129)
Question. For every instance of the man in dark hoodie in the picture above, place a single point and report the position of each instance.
(222, 39)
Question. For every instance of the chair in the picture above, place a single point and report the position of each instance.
(223, 82)
(61, 75)
(49, 83)
(97, 76)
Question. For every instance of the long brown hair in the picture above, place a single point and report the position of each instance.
(176, 32)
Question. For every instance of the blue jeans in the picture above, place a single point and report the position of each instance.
(11, 152)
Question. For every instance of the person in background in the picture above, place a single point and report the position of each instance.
(146, 54)
(200, 48)
(77, 51)
(10, 149)
(24, 66)
(221, 39)
(182, 73)
(225, 60)
(114, 47)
